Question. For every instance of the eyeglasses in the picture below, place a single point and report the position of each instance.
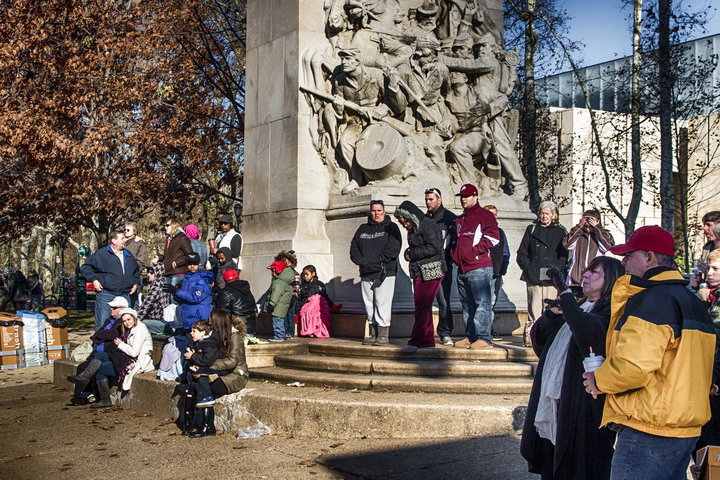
(433, 190)
(377, 202)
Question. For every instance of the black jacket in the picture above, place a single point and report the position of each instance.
(207, 351)
(500, 255)
(446, 220)
(582, 450)
(236, 298)
(308, 289)
(540, 247)
(375, 245)
(425, 242)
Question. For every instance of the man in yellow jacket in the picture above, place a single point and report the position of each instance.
(658, 372)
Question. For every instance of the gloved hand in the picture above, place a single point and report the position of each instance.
(269, 308)
(171, 289)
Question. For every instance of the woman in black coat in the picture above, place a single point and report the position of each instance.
(427, 269)
(561, 437)
(541, 246)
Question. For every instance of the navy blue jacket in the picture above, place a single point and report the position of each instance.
(104, 266)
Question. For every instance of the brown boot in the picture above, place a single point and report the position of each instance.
(382, 338)
(477, 344)
(373, 335)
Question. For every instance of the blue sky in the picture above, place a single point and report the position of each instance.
(604, 26)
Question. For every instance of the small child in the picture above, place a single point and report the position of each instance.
(280, 297)
(224, 263)
(315, 305)
(201, 357)
(290, 319)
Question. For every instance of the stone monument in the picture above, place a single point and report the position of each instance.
(353, 100)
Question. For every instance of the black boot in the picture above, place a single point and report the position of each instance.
(188, 415)
(373, 335)
(382, 338)
(86, 375)
(208, 423)
(104, 390)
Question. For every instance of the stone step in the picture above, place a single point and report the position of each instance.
(409, 365)
(335, 413)
(503, 350)
(406, 383)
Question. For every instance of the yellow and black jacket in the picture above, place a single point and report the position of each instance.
(660, 350)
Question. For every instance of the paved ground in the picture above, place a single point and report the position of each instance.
(43, 437)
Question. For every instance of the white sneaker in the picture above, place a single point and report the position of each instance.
(446, 341)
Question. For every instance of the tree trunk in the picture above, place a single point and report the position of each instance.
(529, 114)
(635, 160)
(667, 197)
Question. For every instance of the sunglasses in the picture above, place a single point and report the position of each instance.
(128, 229)
(377, 202)
(224, 223)
(168, 225)
(433, 190)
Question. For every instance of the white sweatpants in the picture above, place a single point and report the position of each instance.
(378, 301)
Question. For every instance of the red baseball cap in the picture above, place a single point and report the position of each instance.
(467, 189)
(277, 266)
(650, 238)
(230, 274)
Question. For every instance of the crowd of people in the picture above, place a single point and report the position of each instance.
(195, 296)
(654, 392)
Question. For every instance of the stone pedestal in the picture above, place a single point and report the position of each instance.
(287, 187)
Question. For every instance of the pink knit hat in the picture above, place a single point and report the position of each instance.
(192, 231)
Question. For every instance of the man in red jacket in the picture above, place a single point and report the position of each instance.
(476, 232)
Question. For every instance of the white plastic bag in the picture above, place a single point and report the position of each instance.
(81, 352)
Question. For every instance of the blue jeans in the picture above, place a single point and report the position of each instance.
(278, 324)
(102, 309)
(106, 369)
(475, 289)
(640, 455)
(173, 280)
(445, 314)
(290, 319)
(497, 284)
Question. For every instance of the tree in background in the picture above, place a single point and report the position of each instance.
(529, 27)
(104, 114)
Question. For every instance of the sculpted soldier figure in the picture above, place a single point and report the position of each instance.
(489, 129)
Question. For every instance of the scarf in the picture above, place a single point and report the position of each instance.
(552, 380)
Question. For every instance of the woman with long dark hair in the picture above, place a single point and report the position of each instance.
(200, 422)
(561, 438)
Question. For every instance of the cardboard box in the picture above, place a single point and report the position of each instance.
(56, 338)
(708, 460)
(11, 343)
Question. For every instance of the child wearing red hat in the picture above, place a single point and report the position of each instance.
(280, 297)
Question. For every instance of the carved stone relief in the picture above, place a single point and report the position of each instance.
(400, 93)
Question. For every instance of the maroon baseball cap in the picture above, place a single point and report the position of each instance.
(650, 238)
(467, 189)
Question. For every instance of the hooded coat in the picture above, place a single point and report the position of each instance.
(195, 298)
(425, 242)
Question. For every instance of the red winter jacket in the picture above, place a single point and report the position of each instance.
(476, 231)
